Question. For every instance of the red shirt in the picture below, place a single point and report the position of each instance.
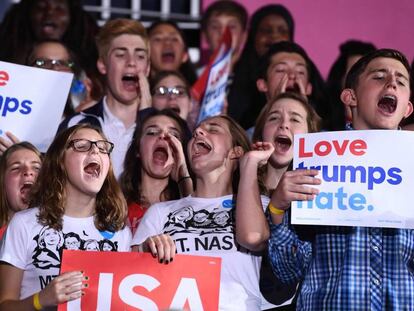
(2, 230)
(135, 214)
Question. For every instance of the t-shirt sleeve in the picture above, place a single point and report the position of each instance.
(150, 225)
(15, 242)
(265, 202)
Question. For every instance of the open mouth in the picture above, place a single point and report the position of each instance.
(388, 104)
(160, 155)
(48, 26)
(293, 88)
(283, 143)
(93, 169)
(130, 81)
(201, 148)
(176, 109)
(167, 56)
(25, 191)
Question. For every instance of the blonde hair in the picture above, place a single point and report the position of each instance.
(115, 28)
(49, 191)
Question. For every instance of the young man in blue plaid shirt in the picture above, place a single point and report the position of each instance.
(348, 268)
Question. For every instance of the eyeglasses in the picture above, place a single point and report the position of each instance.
(84, 145)
(164, 91)
(53, 64)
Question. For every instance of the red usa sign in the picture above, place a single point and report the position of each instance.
(136, 281)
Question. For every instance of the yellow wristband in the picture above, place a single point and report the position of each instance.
(36, 302)
(274, 210)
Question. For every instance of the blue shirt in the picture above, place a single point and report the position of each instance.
(345, 268)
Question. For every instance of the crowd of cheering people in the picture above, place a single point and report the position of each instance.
(131, 170)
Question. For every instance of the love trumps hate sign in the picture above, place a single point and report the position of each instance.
(367, 178)
(136, 281)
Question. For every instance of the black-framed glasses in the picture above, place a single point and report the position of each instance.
(84, 145)
(53, 64)
(164, 91)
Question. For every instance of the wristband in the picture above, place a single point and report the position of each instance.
(274, 210)
(183, 178)
(36, 302)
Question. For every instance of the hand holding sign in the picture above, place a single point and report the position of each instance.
(295, 186)
(65, 287)
(25, 111)
(161, 246)
(6, 142)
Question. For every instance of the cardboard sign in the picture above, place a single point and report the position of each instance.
(136, 281)
(32, 102)
(212, 84)
(367, 178)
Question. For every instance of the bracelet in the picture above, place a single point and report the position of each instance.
(274, 210)
(36, 302)
(182, 178)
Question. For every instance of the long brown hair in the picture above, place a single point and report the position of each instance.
(312, 119)
(49, 191)
(239, 138)
(131, 177)
(4, 203)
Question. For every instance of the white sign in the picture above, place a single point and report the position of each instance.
(367, 178)
(214, 89)
(32, 102)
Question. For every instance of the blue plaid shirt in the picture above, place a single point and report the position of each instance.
(346, 268)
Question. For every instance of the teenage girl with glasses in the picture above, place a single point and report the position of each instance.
(76, 192)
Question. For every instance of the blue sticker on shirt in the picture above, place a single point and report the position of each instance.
(107, 234)
(228, 203)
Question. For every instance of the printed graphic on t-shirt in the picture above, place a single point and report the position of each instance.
(50, 244)
(201, 230)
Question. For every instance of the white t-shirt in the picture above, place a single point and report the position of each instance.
(36, 249)
(205, 226)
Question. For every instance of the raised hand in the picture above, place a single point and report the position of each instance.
(6, 143)
(295, 186)
(179, 165)
(281, 87)
(259, 155)
(144, 91)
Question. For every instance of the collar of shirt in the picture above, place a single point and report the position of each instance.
(110, 118)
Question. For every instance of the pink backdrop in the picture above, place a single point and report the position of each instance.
(322, 25)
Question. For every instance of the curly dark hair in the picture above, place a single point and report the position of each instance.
(17, 37)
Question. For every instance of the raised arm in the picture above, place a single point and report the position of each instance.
(252, 230)
(179, 172)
